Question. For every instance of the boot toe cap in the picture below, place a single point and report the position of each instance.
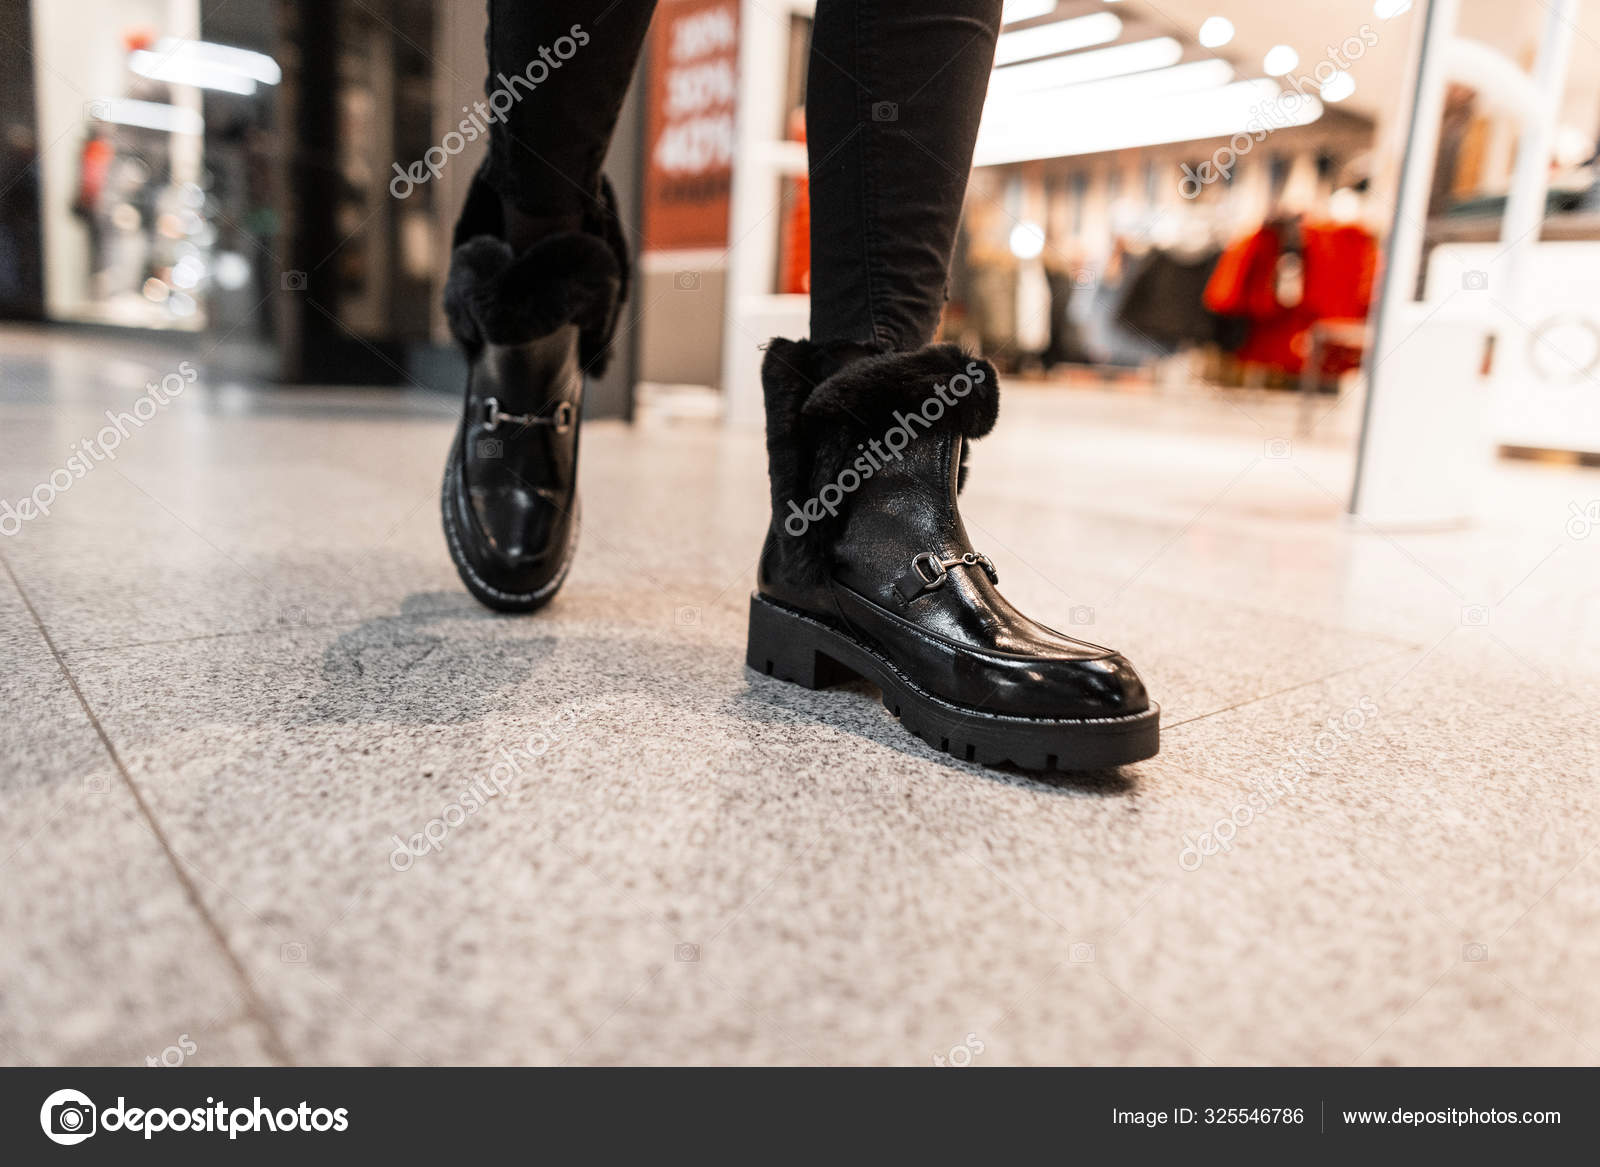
(1068, 688)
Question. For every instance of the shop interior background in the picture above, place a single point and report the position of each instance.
(1299, 327)
(173, 166)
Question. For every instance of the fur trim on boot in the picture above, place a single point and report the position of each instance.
(817, 425)
(497, 297)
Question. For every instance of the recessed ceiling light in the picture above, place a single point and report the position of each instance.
(149, 115)
(1209, 73)
(1216, 32)
(1027, 240)
(1016, 10)
(1280, 59)
(1094, 65)
(1077, 120)
(1062, 36)
(256, 66)
(1338, 87)
(182, 71)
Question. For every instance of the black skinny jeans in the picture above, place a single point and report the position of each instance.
(894, 94)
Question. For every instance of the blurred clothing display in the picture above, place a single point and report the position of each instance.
(1285, 276)
(1162, 302)
(1107, 340)
(992, 304)
(1066, 342)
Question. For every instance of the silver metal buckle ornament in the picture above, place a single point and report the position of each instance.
(560, 419)
(929, 570)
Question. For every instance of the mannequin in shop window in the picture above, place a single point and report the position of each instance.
(866, 570)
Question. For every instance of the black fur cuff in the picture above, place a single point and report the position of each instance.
(959, 391)
(563, 277)
(495, 297)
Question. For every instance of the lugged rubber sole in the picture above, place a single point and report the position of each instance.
(794, 647)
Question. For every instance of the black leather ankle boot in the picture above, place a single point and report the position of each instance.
(867, 570)
(532, 325)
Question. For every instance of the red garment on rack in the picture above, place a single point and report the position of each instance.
(1339, 265)
(1242, 283)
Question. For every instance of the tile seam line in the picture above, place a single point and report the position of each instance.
(1290, 688)
(1225, 600)
(276, 1048)
(263, 630)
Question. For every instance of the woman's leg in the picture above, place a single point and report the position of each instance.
(559, 71)
(893, 100)
(868, 569)
(537, 277)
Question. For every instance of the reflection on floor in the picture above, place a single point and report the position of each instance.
(240, 677)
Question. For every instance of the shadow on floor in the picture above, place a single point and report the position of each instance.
(402, 669)
(408, 669)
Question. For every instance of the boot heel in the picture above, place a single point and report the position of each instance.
(787, 648)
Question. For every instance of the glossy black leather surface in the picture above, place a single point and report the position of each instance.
(961, 641)
(515, 505)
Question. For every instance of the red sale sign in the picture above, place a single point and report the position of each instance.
(694, 84)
